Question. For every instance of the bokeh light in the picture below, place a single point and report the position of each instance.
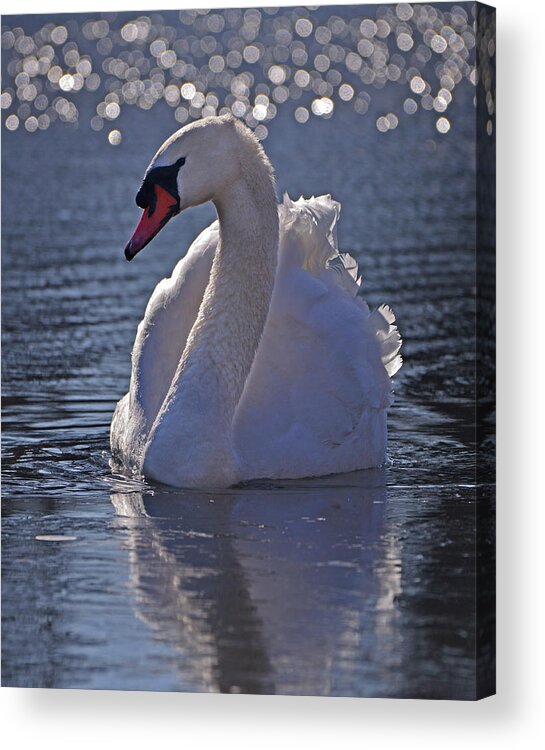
(114, 137)
(205, 62)
(443, 125)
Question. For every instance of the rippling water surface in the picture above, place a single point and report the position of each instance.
(353, 585)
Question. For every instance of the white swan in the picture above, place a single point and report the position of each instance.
(256, 359)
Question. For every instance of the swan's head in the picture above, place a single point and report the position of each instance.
(193, 166)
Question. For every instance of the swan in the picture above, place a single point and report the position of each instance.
(257, 358)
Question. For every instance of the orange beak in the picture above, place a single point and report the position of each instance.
(162, 208)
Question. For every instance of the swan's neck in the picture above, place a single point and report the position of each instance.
(224, 339)
(221, 347)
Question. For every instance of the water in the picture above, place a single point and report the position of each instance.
(352, 585)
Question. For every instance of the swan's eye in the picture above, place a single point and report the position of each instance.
(145, 195)
(166, 177)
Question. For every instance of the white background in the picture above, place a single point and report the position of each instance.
(86, 719)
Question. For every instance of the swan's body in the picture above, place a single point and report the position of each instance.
(256, 358)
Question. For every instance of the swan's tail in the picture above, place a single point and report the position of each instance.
(313, 221)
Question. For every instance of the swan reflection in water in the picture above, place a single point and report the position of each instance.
(260, 589)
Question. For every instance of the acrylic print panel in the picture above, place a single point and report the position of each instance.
(245, 529)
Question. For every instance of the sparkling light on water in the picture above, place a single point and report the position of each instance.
(201, 62)
(410, 106)
(12, 122)
(443, 125)
(114, 136)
